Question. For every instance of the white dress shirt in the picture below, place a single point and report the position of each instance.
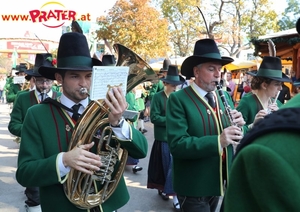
(200, 91)
(38, 94)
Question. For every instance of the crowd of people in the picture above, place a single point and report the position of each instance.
(204, 145)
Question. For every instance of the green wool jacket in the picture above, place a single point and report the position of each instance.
(156, 87)
(249, 107)
(56, 88)
(265, 174)
(46, 132)
(132, 104)
(12, 91)
(20, 92)
(193, 135)
(294, 102)
(24, 91)
(158, 115)
(7, 84)
(24, 101)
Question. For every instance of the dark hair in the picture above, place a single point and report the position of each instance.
(62, 73)
(257, 81)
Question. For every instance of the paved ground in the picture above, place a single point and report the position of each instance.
(12, 194)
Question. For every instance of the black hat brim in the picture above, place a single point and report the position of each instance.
(49, 72)
(283, 79)
(172, 82)
(28, 77)
(297, 83)
(163, 70)
(252, 73)
(192, 61)
(31, 73)
(18, 72)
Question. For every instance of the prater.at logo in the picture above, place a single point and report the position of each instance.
(54, 14)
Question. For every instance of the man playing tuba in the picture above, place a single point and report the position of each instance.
(44, 159)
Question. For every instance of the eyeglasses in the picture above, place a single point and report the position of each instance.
(38, 81)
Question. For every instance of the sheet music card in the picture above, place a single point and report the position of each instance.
(138, 93)
(19, 79)
(104, 77)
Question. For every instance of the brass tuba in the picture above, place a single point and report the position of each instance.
(93, 126)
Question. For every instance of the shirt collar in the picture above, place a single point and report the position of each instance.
(200, 90)
(49, 94)
(69, 103)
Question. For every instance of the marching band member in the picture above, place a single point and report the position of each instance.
(13, 88)
(44, 160)
(160, 162)
(264, 174)
(267, 84)
(199, 133)
(27, 99)
(24, 101)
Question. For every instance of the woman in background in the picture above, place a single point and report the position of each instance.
(267, 85)
(160, 163)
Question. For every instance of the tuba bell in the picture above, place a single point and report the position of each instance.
(93, 126)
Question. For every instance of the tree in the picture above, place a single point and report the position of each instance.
(232, 23)
(5, 64)
(186, 24)
(136, 25)
(245, 19)
(290, 15)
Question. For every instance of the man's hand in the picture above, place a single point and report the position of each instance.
(230, 135)
(117, 105)
(81, 159)
(237, 118)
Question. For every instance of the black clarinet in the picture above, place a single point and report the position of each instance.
(227, 110)
(225, 103)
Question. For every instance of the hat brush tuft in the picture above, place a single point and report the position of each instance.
(272, 48)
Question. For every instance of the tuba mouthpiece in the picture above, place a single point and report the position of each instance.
(83, 91)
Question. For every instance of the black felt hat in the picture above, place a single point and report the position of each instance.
(271, 68)
(22, 67)
(73, 54)
(28, 77)
(298, 26)
(166, 64)
(44, 59)
(297, 83)
(205, 50)
(108, 60)
(173, 76)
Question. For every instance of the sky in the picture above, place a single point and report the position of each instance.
(95, 8)
(15, 29)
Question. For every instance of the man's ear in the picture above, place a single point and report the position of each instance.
(58, 78)
(196, 71)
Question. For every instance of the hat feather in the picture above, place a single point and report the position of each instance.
(76, 27)
(272, 48)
